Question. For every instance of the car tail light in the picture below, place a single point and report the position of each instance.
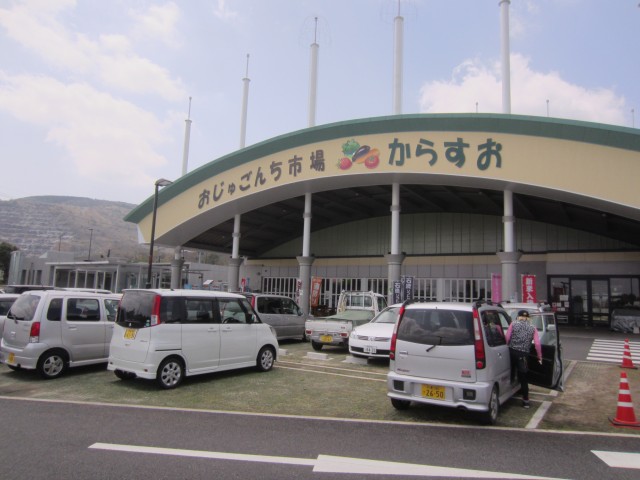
(392, 350)
(155, 312)
(34, 333)
(481, 359)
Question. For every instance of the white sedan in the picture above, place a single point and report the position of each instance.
(373, 339)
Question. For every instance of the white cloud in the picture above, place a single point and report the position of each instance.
(223, 12)
(110, 56)
(474, 82)
(107, 139)
(158, 22)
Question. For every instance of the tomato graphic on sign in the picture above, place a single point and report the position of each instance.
(355, 154)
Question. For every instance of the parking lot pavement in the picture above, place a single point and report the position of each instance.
(331, 387)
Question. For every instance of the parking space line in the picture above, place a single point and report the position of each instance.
(333, 368)
(334, 374)
(538, 415)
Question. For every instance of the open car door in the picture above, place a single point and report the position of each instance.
(550, 373)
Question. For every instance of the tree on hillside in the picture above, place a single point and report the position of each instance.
(5, 258)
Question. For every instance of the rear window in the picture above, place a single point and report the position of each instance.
(5, 305)
(135, 309)
(436, 327)
(24, 307)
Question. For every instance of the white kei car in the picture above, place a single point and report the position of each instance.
(373, 339)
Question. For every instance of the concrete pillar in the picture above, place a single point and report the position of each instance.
(394, 258)
(305, 263)
(176, 269)
(234, 274)
(509, 257)
(394, 265)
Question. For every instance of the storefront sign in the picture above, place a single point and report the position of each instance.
(367, 154)
(529, 294)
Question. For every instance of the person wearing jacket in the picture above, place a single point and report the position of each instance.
(519, 336)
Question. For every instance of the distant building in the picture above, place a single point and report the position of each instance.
(60, 269)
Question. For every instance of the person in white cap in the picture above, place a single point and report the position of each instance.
(519, 337)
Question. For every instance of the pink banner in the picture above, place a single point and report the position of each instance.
(496, 287)
(529, 294)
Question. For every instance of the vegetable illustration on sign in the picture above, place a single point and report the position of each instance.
(354, 153)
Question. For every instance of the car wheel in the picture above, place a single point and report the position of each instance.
(490, 417)
(170, 373)
(304, 337)
(122, 375)
(52, 364)
(316, 346)
(400, 404)
(265, 359)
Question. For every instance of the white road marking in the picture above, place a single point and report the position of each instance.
(612, 351)
(619, 459)
(326, 463)
(334, 374)
(538, 415)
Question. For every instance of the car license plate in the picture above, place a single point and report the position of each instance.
(369, 349)
(12, 358)
(433, 391)
(130, 333)
(326, 338)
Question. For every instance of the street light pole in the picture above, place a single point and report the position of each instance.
(90, 241)
(159, 183)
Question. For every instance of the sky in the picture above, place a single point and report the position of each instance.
(94, 94)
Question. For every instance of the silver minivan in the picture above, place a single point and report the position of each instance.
(456, 355)
(51, 330)
(281, 312)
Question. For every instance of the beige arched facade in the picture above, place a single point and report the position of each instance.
(592, 167)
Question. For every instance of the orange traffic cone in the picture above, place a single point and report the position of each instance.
(627, 361)
(625, 416)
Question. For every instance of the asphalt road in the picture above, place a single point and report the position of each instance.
(49, 440)
(304, 414)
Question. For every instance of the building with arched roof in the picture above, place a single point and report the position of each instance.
(467, 206)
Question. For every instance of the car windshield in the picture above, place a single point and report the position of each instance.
(389, 315)
(24, 307)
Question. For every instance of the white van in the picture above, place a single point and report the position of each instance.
(51, 330)
(169, 334)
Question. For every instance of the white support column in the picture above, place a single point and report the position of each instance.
(509, 257)
(397, 63)
(306, 235)
(506, 63)
(395, 257)
(306, 260)
(235, 261)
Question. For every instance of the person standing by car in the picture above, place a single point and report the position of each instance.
(519, 336)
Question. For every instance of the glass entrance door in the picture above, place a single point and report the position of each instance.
(599, 303)
(590, 302)
(579, 309)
